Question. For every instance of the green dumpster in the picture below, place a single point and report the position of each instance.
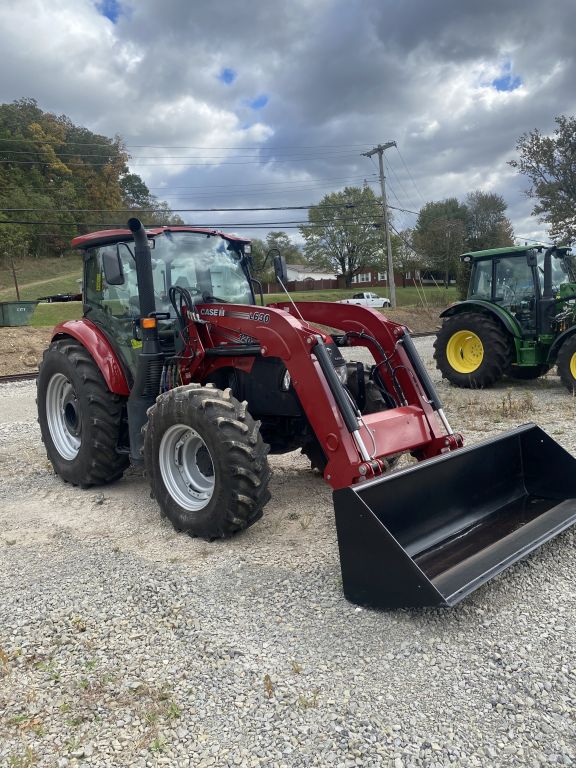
(16, 312)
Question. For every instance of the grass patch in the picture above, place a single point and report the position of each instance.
(26, 759)
(52, 314)
(47, 277)
(44, 277)
(40, 277)
(507, 407)
(405, 297)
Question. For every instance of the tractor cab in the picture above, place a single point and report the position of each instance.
(515, 279)
(210, 266)
(509, 280)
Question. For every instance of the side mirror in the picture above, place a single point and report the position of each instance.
(280, 269)
(112, 264)
(531, 259)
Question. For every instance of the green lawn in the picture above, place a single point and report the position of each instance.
(52, 314)
(40, 277)
(405, 297)
(45, 277)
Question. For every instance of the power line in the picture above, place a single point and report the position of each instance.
(360, 207)
(397, 178)
(406, 243)
(113, 151)
(529, 239)
(266, 183)
(135, 161)
(237, 188)
(174, 210)
(109, 144)
(367, 220)
(411, 177)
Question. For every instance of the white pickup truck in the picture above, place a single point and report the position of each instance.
(367, 299)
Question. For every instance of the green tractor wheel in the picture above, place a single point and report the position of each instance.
(472, 350)
(567, 363)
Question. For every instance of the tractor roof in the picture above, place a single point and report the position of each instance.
(511, 250)
(105, 236)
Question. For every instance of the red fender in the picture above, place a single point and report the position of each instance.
(96, 343)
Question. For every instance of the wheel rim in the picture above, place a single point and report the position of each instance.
(465, 352)
(186, 467)
(63, 416)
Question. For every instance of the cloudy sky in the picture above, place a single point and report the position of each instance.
(266, 103)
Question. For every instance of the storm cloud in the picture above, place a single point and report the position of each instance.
(269, 103)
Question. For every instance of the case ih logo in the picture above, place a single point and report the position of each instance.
(258, 317)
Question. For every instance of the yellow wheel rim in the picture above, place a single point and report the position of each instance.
(573, 365)
(465, 352)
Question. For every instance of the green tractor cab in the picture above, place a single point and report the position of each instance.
(518, 320)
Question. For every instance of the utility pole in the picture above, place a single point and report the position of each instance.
(15, 278)
(379, 150)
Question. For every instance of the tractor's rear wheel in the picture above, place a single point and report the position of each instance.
(472, 350)
(566, 363)
(80, 419)
(206, 461)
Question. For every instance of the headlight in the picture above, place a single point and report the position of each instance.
(286, 380)
(338, 362)
(342, 373)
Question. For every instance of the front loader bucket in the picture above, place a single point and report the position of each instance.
(431, 534)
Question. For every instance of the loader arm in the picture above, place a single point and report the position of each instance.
(355, 448)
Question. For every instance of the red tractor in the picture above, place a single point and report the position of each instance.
(175, 366)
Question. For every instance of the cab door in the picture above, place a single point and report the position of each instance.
(516, 289)
(114, 308)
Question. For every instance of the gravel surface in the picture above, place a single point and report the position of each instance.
(123, 643)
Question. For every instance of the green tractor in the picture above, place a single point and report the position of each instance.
(519, 318)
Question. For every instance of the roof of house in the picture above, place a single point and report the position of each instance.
(308, 270)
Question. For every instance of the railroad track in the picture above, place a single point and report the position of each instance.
(31, 376)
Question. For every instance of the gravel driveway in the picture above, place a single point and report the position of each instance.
(123, 643)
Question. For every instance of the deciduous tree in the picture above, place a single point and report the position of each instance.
(439, 235)
(343, 232)
(549, 163)
(487, 225)
(65, 179)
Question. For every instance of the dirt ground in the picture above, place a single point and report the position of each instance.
(21, 348)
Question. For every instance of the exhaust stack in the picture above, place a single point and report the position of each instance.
(150, 361)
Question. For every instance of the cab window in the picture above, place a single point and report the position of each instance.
(115, 308)
(514, 281)
(482, 282)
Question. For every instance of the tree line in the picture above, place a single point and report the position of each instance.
(57, 179)
(345, 236)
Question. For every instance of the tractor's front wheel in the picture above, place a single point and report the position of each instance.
(566, 363)
(206, 461)
(472, 350)
(80, 419)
